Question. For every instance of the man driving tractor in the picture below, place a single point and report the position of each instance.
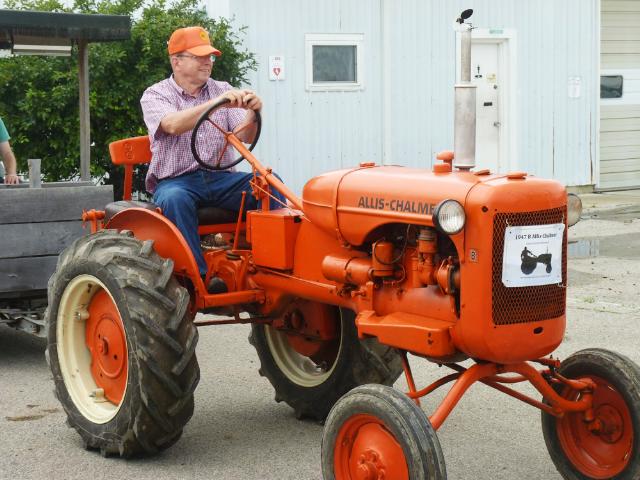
(171, 109)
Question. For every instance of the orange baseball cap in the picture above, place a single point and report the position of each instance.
(194, 40)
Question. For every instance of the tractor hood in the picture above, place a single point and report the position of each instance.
(351, 203)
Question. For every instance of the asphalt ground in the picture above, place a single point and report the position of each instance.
(239, 432)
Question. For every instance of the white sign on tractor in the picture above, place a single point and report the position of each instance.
(532, 255)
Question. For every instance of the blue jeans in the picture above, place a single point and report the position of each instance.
(181, 197)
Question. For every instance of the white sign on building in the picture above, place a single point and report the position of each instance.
(276, 67)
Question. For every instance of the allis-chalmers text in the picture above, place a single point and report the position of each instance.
(396, 205)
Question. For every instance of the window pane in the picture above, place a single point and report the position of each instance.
(334, 63)
(611, 86)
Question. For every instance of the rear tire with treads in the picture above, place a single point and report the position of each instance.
(312, 394)
(144, 304)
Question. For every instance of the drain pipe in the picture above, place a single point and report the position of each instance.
(465, 102)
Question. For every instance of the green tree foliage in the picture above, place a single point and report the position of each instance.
(39, 101)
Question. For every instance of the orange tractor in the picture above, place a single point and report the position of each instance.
(372, 263)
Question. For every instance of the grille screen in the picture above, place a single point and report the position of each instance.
(526, 304)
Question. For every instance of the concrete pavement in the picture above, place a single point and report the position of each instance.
(592, 203)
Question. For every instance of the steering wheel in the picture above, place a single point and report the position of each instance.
(205, 117)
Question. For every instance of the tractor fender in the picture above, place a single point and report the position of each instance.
(168, 242)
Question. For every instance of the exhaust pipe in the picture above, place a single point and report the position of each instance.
(464, 144)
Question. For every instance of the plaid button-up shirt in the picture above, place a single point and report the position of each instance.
(171, 154)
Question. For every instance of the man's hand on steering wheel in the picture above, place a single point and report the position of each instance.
(247, 132)
(247, 99)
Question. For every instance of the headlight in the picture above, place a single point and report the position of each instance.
(448, 217)
(574, 209)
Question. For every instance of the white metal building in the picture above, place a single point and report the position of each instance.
(346, 81)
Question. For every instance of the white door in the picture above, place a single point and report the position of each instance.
(485, 75)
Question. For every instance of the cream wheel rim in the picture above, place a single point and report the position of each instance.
(298, 368)
(74, 356)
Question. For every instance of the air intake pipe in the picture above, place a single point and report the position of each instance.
(465, 102)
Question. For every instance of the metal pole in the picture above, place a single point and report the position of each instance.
(85, 128)
(34, 173)
(465, 54)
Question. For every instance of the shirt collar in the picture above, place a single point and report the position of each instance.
(181, 91)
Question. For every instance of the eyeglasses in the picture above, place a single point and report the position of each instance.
(211, 58)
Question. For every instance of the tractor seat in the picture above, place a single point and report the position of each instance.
(206, 215)
(137, 151)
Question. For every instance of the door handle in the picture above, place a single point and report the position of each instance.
(496, 124)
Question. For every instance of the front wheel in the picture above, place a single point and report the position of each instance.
(312, 356)
(377, 432)
(611, 450)
(121, 345)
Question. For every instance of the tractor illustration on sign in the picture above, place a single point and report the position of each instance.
(530, 261)
(341, 285)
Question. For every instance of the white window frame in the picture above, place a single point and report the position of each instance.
(338, 39)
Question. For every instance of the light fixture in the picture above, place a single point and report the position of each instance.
(48, 50)
(31, 45)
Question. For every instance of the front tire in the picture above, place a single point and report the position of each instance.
(613, 451)
(121, 345)
(375, 431)
(311, 383)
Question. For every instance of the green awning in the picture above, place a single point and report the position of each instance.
(71, 26)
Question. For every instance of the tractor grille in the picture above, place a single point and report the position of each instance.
(526, 304)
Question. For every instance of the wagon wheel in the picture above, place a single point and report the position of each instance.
(377, 432)
(121, 344)
(312, 355)
(206, 119)
(612, 450)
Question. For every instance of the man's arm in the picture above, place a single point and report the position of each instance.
(9, 161)
(176, 123)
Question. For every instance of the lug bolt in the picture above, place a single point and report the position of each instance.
(103, 346)
(296, 320)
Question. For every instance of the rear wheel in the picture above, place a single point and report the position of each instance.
(121, 344)
(377, 432)
(312, 356)
(610, 449)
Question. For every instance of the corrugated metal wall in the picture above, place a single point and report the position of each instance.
(308, 133)
(405, 109)
(620, 117)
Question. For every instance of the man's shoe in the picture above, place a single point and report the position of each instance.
(216, 285)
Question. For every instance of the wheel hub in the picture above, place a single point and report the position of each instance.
(603, 449)
(612, 425)
(369, 467)
(310, 329)
(366, 450)
(106, 340)
(305, 342)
